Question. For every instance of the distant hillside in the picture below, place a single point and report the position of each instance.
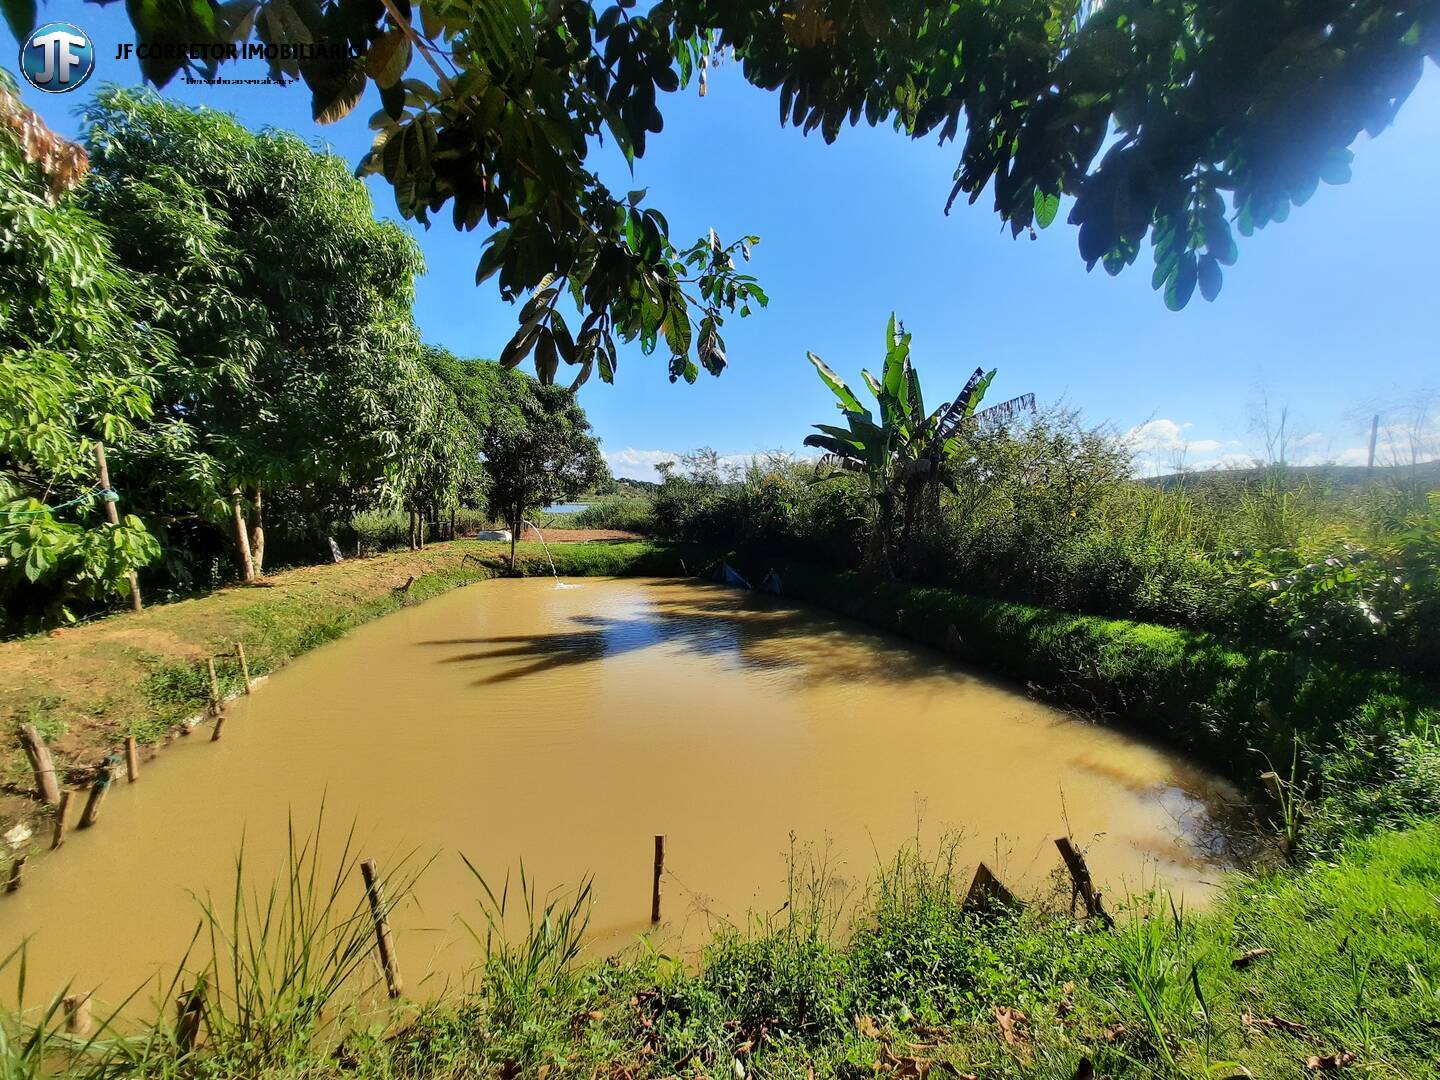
(1425, 474)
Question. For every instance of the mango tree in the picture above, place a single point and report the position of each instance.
(297, 365)
(903, 454)
(538, 450)
(73, 370)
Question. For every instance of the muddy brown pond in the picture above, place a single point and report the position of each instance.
(564, 727)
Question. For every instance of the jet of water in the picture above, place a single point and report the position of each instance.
(553, 572)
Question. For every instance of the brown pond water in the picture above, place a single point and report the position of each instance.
(565, 727)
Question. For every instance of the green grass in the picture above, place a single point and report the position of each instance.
(1215, 698)
(907, 981)
(632, 513)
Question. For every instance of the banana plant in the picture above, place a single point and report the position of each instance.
(902, 454)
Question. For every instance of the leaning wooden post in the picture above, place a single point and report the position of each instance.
(217, 710)
(41, 762)
(655, 880)
(114, 516)
(97, 795)
(1084, 884)
(77, 1014)
(189, 1007)
(61, 813)
(244, 664)
(383, 941)
(132, 760)
(17, 873)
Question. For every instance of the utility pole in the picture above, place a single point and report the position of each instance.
(1374, 435)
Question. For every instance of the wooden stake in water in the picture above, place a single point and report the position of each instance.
(384, 943)
(97, 796)
(655, 881)
(244, 664)
(215, 705)
(77, 1014)
(1084, 884)
(41, 763)
(17, 872)
(132, 760)
(61, 813)
(189, 1007)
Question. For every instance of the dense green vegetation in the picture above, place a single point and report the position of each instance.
(251, 406)
(1042, 509)
(1290, 975)
(1165, 120)
(254, 407)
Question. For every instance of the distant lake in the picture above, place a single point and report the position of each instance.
(566, 508)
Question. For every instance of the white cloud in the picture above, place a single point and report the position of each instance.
(632, 464)
(635, 464)
(1163, 445)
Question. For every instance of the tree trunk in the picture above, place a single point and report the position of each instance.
(412, 530)
(514, 535)
(242, 538)
(452, 523)
(257, 535)
(877, 544)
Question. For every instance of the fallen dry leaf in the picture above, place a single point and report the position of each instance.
(1115, 1032)
(1279, 1023)
(1012, 1026)
(1248, 957)
(867, 1027)
(1331, 1063)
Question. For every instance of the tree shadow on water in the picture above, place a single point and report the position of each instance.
(763, 639)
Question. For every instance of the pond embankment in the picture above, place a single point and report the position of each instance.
(87, 688)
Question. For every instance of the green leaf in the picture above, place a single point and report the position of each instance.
(1210, 277)
(335, 100)
(388, 57)
(837, 385)
(1046, 207)
(1181, 287)
(20, 15)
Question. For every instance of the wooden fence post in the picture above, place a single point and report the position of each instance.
(46, 786)
(215, 704)
(97, 795)
(987, 893)
(77, 1014)
(189, 1007)
(384, 943)
(132, 760)
(113, 515)
(1084, 884)
(244, 664)
(655, 882)
(61, 813)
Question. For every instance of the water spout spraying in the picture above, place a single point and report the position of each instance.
(553, 572)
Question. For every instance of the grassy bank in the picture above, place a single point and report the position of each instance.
(1197, 691)
(1292, 974)
(86, 689)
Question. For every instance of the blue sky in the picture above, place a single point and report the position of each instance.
(1331, 315)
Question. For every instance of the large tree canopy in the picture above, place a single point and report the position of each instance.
(1178, 120)
(73, 371)
(288, 303)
